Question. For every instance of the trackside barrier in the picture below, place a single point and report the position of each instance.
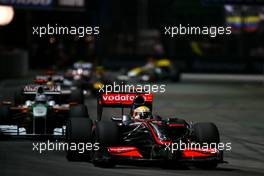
(13, 63)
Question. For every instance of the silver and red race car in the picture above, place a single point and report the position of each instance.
(40, 109)
(124, 139)
(53, 86)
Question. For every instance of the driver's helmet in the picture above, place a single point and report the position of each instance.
(141, 112)
(49, 81)
(40, 98)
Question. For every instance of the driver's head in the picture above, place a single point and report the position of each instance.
(49, 81)
(141, 112)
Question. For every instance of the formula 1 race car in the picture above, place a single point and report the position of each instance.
(159, 70)
(41, 112)
(53, 87)
(127, 139)
(50, 78)
(84, 75)
(80, 74)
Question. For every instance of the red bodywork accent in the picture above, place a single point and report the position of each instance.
(123, 98)
(40, 81)
(193, 152)
(50, 72)
(125, 151)
(128, 151)
(158, 141)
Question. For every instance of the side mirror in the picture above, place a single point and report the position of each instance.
(126, 118)
(116, 118)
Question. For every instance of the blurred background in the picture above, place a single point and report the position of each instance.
(130, 32)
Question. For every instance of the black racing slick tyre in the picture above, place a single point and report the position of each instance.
(106, 134)
(78, 111)
(78, 133)
(4, 114)
(206, 133)
(18, 98)
(77, 96)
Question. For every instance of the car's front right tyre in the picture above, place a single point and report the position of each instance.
(206, 133)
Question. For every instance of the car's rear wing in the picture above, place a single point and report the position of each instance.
(30, 91)
(122, 100)
(84, 65)
(49, 90)
(42, 79)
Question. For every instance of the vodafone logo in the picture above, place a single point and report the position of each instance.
(118, 98)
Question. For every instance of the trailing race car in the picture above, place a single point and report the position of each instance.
(57, 91)
(153, 71)
(50, 78)
(80, 74)
(141, 136)
(41, 112)
(84, 75)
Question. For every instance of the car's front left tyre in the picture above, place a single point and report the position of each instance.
(4, 115)
(78, 133)
(106, 133)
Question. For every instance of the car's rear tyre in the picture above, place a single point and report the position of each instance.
(4, 114)
(77, 96)
(206, 133)
(106, 134)
(78, 111)
(18, 98)
(78, 132)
